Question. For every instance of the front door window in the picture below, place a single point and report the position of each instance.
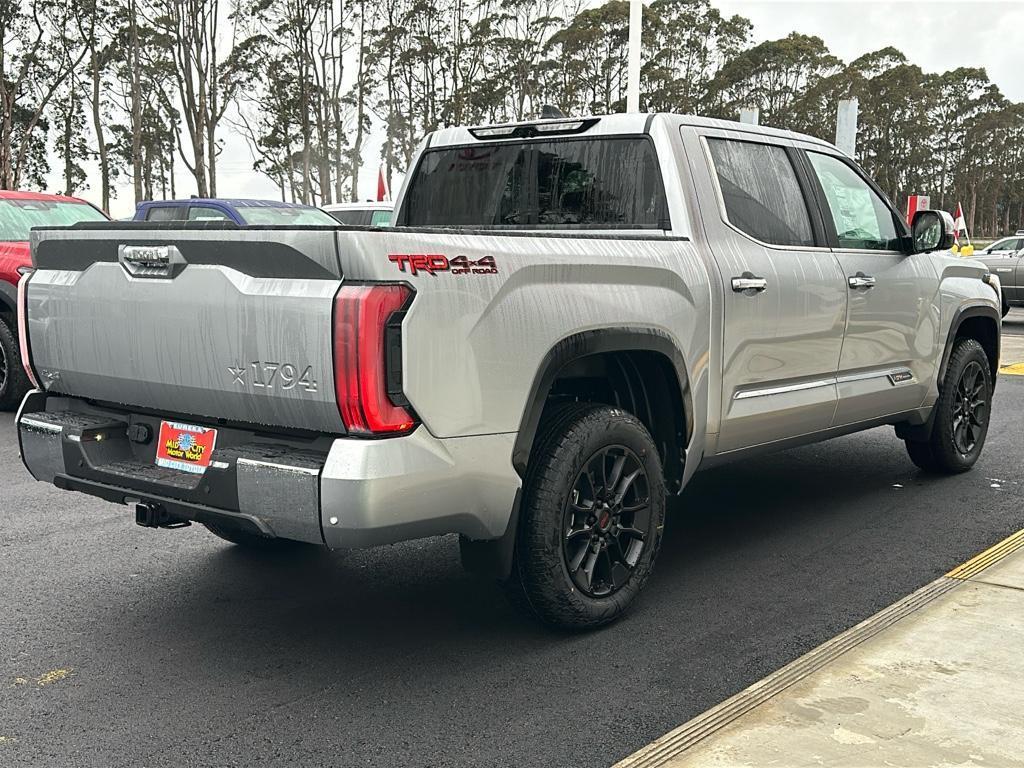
(862, 219)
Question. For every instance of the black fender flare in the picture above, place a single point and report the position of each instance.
(921, 432)
(494, 557)
(584, 344)
(962, 314)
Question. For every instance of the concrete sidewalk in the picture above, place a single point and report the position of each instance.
(936, 679)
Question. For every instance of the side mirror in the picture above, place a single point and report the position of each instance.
(932, 231)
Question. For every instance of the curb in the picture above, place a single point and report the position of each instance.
(690, 734)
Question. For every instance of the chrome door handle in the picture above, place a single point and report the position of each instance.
(860, 280)
(748, 284)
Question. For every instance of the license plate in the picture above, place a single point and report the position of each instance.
(185, 447)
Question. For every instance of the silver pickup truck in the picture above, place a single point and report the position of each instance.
(568, 319)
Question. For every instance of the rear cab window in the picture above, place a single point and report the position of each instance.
(571, 183)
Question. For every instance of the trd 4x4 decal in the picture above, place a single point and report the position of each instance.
(432, 263)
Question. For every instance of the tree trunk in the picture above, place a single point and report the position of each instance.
(97, 126)
(66, 138)
(136, 95)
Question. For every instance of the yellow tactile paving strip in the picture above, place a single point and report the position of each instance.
(992, 555)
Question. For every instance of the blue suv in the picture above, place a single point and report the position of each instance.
(242, 212)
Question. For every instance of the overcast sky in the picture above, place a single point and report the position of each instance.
(936, 35)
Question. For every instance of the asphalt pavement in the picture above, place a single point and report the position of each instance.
(122, 646)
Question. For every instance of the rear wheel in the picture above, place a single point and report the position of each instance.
(592, 517)
(962, 413)
(13, 381)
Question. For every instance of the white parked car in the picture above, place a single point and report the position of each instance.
(364, 214)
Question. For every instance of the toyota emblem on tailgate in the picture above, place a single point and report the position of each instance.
(150, 260)
(147, 255)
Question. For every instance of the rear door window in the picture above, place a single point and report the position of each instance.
(594, 183)
(206, 213)
(353, 217)
(166, 213)
(761, 193)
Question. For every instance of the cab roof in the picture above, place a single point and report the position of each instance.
(618, 124)
(234, 202)
(12, 194)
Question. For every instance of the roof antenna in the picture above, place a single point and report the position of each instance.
(550, 112)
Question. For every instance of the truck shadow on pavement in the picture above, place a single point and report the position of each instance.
(801, 526)
(396, 649)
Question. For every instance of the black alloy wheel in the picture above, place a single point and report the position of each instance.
(960, 416)
(592, 517)
(607, 516)
(970, 408)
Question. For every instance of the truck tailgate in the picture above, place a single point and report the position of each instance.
(217, 323)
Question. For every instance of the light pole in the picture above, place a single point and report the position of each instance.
(636, 12)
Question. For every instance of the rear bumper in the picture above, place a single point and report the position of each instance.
(343, 492)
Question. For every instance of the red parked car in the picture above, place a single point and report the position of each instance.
(19, 212)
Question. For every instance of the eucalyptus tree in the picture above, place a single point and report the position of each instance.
(38, 53)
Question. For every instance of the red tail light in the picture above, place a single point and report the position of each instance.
(26, 361)
(365, 352)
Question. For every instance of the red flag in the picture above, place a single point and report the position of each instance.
(959, 224)
(383, 192)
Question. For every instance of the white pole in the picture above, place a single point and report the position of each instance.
(636, 10)
(846, 126)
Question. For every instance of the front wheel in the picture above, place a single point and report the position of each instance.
(592, 517)
(961, 416)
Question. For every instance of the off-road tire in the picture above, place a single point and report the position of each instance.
(941, 454)
(570, 437)
(253, 541)
(14, 382)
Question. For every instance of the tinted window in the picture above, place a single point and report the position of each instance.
(355, 217)
(166, 213)
(286, 216)
(380, 218)
(558, 184)
(1010, 244)
(861, 217)
(761, 193)
(17, 217)
(205, 213)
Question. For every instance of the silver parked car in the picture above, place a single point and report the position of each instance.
(567, 319)
(1005, 259)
